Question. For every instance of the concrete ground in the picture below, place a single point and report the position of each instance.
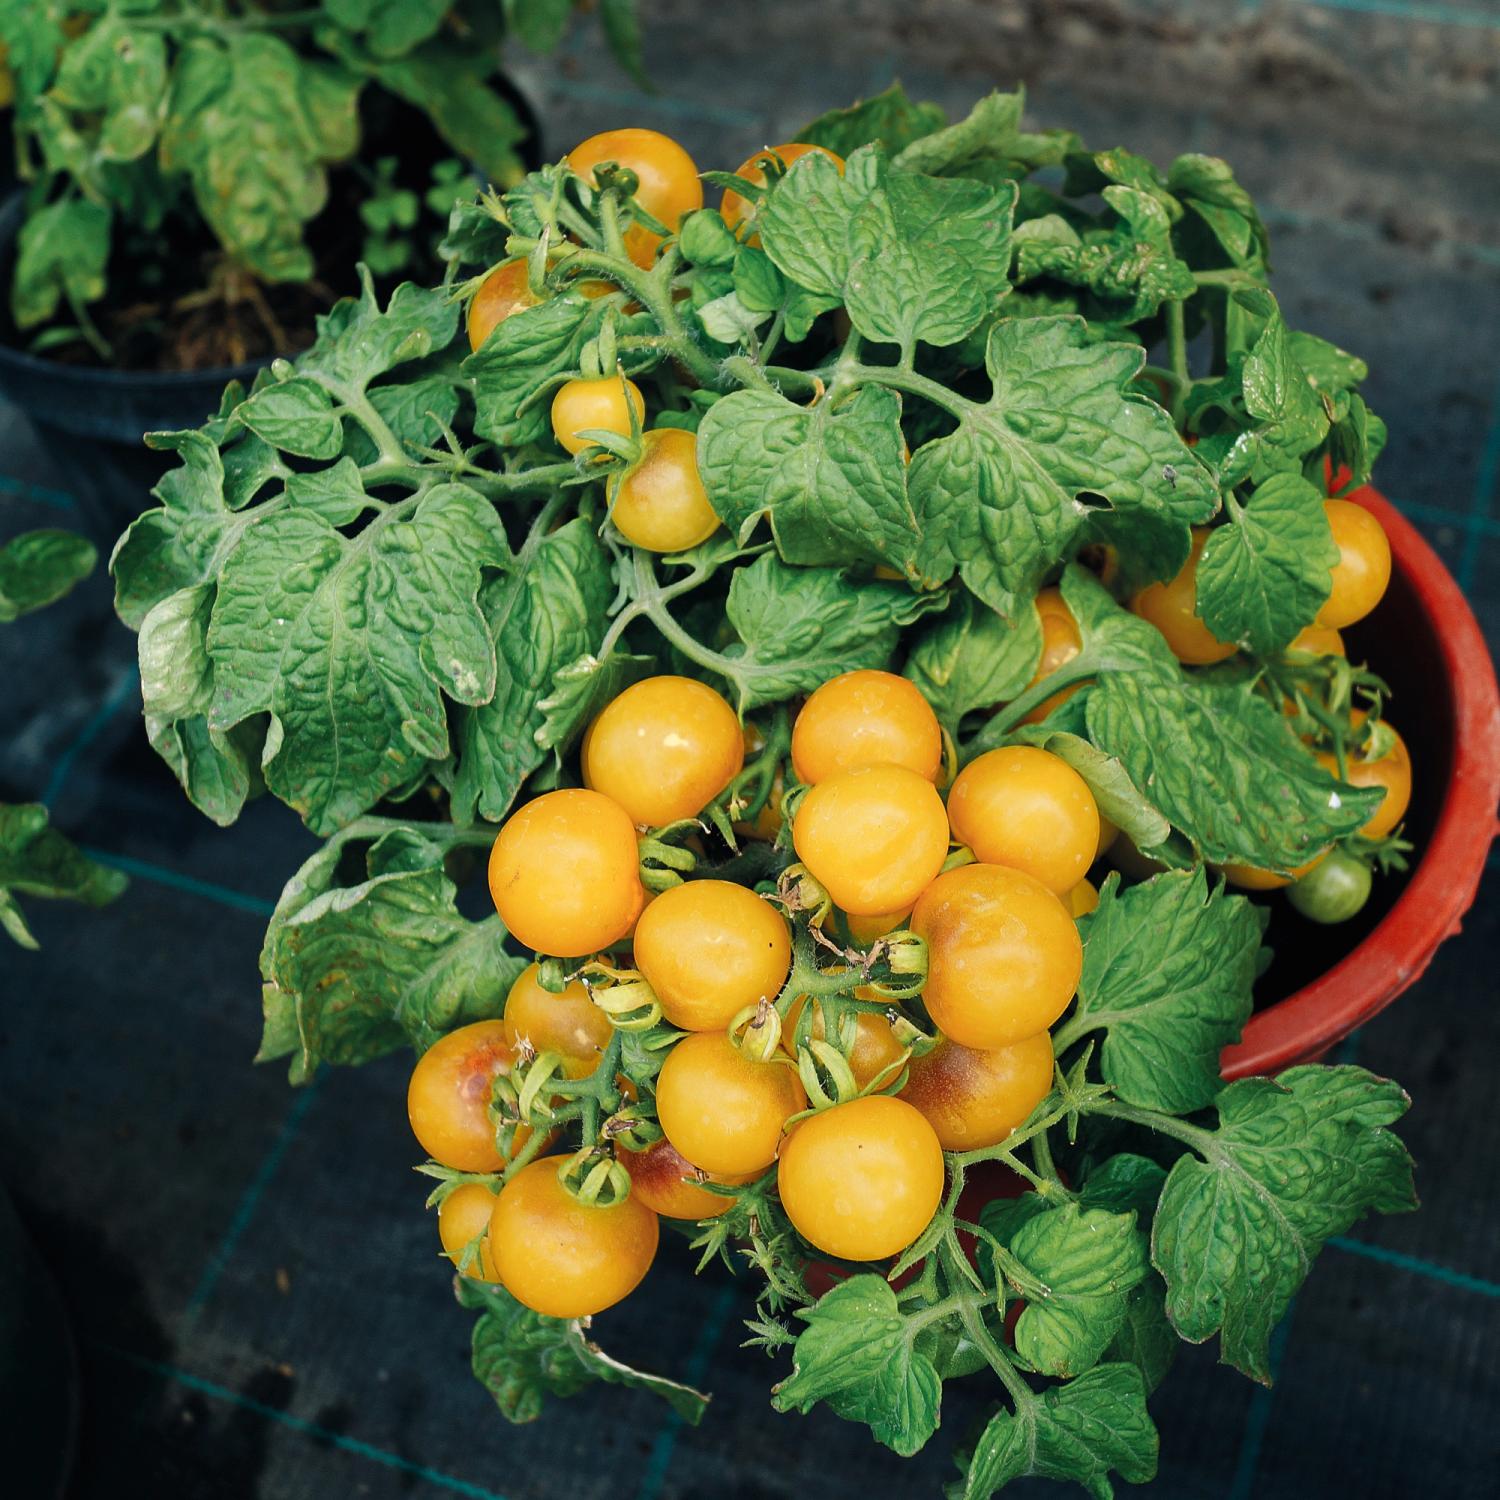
(257, 1302)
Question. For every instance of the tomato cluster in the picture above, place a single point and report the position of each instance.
(881, 994)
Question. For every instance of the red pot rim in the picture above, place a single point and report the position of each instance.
(1442, 887)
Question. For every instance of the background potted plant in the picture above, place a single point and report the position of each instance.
(199, 180)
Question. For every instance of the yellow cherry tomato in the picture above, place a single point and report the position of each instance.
(1173, 608)
(448, 1097)
(580, 406)
(669, 189)
(875, 1046)
(736, 209)
(1082, 899)
(1003, 955)
(1108, 833)
(1392, 771)
(504, 291)
(564, 873)
(462, 1215)
(875, 837)
(563, 1258)
(862, 1180)
(1363, 571)
(709, 948)
(1319, 640)
(866, 718)
(722, 1109)
(1030, 810)
(1061, 642)
(669, 1184)
(659, 503)
(973, 1098)
(663, 749)
(569, 1022)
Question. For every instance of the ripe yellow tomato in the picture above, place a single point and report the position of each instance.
(875, 1046)
(1082, 899)
(864, 930)
(569, 1022)
(563, 1258)
(1391, 771)
(660, 503)
(722, 1109)
(709, 948)
(866, 718)
(580, 406)
(669, 189)
(1319, 640)
(1173, 608)
(669, 1184)
(1363, 571)
(973, 1098)
(564, 873)
(862, 1180)
(1030, 810)
(735, 208)
(664, 749)
(448, 1097)
(462, 1215)
(1061, 642)
(875, 837)
(504, 291)
(1003, 955)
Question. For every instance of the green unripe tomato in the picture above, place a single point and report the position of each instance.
(1334, 890)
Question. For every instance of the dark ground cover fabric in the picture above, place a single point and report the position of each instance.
(258, 1304)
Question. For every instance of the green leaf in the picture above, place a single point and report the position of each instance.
(1168, 971)
(1206, 186)
(1225, 767)
(1146, 1338)
(1328, 367)
(580, 689)
(971, 658)
(1292, 1163)
(519, 1357)
(361, 970)
(61, 254)
(1290, 415)
(515, 364)
(888, 119)
(350, 645)
(831, 480)
(1089, 1260)
(688, 1403)
(1131, 261)
(254, 126)
(857, 1354)
(39, 567)
(1124, 1182)
(989, 144)
(295, 415)
(117, 73)
(36, 860)
(539, 24)
(358, 341)
(622, 30)
(1080, 1431)
(1266, 575)
(911, 257)
(391, 27)
(542, 615)
(1002, 497)
(800, 626)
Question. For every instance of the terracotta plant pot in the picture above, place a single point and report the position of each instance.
(1426, 643)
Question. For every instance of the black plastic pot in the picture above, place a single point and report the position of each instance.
(38, 1369)
(91, 421)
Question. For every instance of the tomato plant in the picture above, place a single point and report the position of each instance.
(890, 559)
(463, 1219)
(451, 1090)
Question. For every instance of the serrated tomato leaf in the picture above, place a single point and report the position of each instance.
(971, 658)
(354, 971)
(542, 614)
(888, 118)
(1293, 1162)
(857, 1354)
(1224, 767)
(1089, 1259)
(831, 480)
(1082, 1431)
(1006, 494)
(1266, 574)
